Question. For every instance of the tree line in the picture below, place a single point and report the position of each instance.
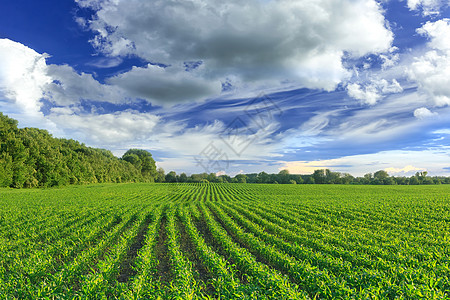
(320, 176)
(31, 157)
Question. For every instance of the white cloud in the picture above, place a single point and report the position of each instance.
(112, 130)
(438, 32)
(424, 113)
(428, 7)
(373, 91)
(26, 79)
(431, 71)
(368, 95)
(258, 42)
(442, 131)
(23, 76)
(390, 59)
(69, 87)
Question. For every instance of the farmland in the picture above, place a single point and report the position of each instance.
(190, 241)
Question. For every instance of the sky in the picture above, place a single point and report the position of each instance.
(233, 87)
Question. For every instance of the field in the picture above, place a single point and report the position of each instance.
(243, 241)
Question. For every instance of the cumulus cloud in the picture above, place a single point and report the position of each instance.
(257, 41)
(423, 113)
(26, 79)
(368, 95)
(23, 75)
(428, 7)
(438, 32)
(373, 91)
(431, 71)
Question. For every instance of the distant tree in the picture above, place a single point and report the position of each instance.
(283, 176)
(212, 177)
(171, 177)
(310, 180)
(389, 181)
(380, 175)
(347, 178)
(367, 178)
(298, 178)
(414, 180)
(332, 177)
(225, 178)
(428, 180)
(183, 177)
(145, 163)
(160, 177)
(292, 181)
(320, 176)
(241, 178)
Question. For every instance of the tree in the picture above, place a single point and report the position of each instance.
(283, 176)
(6, 170)
(212, 177)
(171, 177)
(160, 176)
(347, 178)
(320, 176)
(332, 177)
(414, 180)
(183, 177)
(298, 179)
(380, 175)
(241, 178)
(428, 180)
(145, 163)
(367, 178)
(310, 180)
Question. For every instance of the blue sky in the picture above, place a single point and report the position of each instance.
(221, 86)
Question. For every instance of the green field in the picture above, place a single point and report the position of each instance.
(243, 241)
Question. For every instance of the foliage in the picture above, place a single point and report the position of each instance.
(31, 157)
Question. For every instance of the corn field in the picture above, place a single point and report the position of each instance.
(227, 241)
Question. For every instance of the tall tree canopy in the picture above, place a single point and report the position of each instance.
(31, 157)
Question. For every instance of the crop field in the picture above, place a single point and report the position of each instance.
(227, 241)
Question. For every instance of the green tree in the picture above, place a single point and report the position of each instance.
(382, 174)
(145, 163)
(6, 170)
(320, 176)
(241, 178)
(263, 177)
(183, 177)
(171, 177)
(160, 177)
(283, 176)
